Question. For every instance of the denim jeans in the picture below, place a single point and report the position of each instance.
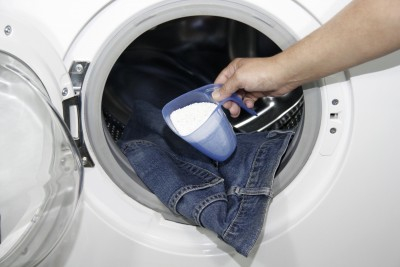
(229, 198)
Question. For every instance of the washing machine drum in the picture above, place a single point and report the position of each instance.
(40, 171)
(173, 58)
(184, 54)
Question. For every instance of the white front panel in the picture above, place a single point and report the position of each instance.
(339, 211)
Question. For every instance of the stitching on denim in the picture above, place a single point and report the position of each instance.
(245, 199)
(239, 191)
(251, 177)
(233, 222)
(205, 203)
(134, 144)
(177, 195)
(260, 156)
(194, 169)
(263, 211)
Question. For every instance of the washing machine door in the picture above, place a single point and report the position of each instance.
(40, 171)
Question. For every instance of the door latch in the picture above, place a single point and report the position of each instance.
(72, 110)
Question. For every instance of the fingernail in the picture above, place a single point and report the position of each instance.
(216, 93)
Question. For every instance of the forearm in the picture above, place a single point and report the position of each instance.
(364, 30)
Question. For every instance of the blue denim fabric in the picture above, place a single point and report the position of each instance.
(230, 198)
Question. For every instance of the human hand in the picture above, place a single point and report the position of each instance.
(250, 78)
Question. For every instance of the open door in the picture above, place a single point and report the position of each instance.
(40, 169)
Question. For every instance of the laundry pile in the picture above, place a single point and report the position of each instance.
(230, 198)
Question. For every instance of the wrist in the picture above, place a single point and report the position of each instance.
(282, 73)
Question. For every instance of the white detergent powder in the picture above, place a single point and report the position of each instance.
(187, 119)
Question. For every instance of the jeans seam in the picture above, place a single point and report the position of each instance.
(244, 202)
(240, 191)
(205, 203)
(251, 178)
(257, 158)
(228, 229)
(255, 164)
(178, 194)
(200, 172)
(134, 143)
(196, 170)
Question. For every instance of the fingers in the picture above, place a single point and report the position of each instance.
(228, 79)
(249, 101)
(233, 108)
(225, 91)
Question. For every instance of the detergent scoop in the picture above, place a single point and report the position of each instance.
(200, 121)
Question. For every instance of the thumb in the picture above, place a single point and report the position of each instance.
(227, 89)
(220, 94)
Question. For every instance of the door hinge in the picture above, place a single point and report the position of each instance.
(72, 110)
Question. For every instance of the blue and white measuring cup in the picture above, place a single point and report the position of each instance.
(215, 137)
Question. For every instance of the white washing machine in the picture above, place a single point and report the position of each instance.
(64, 61)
